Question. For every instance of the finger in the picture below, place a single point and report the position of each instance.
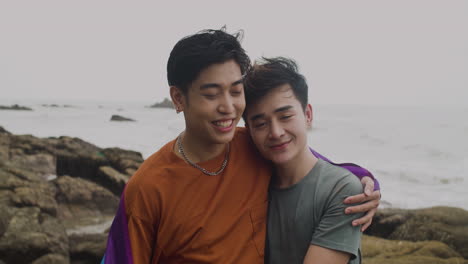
(362, 208)
(359, 198)
(368, 183)
(366, 225)
(363, 220)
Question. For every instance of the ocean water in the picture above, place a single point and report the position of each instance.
(418, 154)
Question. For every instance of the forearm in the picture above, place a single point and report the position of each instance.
(320, 255)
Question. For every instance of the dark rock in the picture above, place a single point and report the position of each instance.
(166, 103)
(3, 131)
(41, 195)
(57, 106)
(112, 179)
(121, 118)
(78, 158)
(30, 235)
(87, 248)
(445, 224)
(36, 214)
(123, 159)
(15, 107)
(79, 199)
(42, 164)
(52, 259)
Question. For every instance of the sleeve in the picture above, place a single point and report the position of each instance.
(355, 169)
(142, 240)
(132, 238)
(335, 230)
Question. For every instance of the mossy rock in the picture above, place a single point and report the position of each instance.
(382, 251)
(448, 225)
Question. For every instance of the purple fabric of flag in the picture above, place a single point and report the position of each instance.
(118, 250)
(353, 168)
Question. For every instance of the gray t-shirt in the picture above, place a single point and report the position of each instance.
(312, 212)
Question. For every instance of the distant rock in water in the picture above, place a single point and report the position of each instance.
(15, 107)
(57, 106)
(121, 118)
(166, 103)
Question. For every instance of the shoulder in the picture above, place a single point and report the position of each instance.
(155, 164)
(146, 185)
(338, 179)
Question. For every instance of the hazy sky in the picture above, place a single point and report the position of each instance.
(377, 52)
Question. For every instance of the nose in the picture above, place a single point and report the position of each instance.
(276, 130)
(226, 106)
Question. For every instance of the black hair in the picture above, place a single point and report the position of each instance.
(196, 52)
(270, 73)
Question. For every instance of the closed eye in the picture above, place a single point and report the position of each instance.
(259, 125)
(209, 96)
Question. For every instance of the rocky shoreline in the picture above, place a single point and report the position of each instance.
(59, 195)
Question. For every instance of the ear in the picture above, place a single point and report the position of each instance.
(309, 114)
(178, 98)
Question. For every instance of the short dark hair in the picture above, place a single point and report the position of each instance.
(196, 52)
(269, 73)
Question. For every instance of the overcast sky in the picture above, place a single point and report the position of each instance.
(359, 52)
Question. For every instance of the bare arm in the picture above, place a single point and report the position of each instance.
(320, 255)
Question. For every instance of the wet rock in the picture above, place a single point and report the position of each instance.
(121, 118)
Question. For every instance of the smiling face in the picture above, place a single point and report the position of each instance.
(278, 125)
(214, 103)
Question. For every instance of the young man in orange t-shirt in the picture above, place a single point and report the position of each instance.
(202, 198)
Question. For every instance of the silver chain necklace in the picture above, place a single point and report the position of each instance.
(182, 152)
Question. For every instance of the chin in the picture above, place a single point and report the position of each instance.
(222, 139)
(280, 159)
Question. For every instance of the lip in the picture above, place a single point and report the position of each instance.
(280, 146)
(224, 129)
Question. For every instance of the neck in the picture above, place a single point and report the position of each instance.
(198, 150)
(292, 172)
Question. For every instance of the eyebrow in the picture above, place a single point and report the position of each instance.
(277, 110)
(217, 85)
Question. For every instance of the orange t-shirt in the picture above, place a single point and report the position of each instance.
(177, 214)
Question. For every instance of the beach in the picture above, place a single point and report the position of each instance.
(63, 167)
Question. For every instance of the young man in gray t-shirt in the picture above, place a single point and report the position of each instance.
(306, 218)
